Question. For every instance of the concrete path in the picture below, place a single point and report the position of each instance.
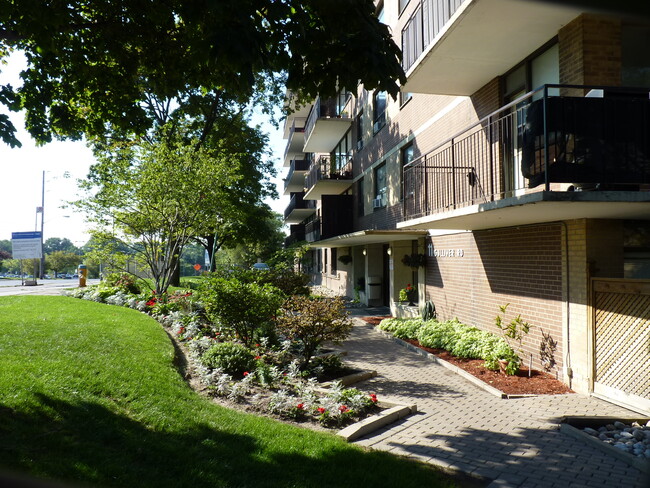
(514, 443)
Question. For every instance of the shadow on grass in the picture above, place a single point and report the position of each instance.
(86, 444)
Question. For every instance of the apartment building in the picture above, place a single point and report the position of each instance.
(513, 169)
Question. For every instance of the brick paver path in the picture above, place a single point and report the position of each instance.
(514, 442)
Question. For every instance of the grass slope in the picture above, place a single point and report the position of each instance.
(89, 394)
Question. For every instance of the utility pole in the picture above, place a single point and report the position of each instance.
(42, 270)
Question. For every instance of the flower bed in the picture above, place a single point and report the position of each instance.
(267, 374)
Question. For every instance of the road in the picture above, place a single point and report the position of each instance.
(43, 287)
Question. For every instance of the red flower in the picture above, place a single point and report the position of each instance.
(321, 410)
(245, 373)
(300, 406)
(343, 408)
(151, 302)
(257, 345)
(373, 397)
(258, 357)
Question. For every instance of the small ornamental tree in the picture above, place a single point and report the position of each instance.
(246, 308)
(312, 321)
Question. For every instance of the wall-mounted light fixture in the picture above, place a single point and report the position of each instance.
(389, 251)
(364, 251)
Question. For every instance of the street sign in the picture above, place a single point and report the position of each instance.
(197, 267)
(26, 245)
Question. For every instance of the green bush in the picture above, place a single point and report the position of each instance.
(310, 322)
(433, 334)
(233, 358)
(122, 281)
(245, 308)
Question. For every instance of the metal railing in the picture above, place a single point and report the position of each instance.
(295, 165)
(313, 230)
(294, 128)
(542, 138)
(328, 168)
(297, 202)
(332, 107)
(424, 24)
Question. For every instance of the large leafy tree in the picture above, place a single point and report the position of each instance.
(157, 197)
(93, 63)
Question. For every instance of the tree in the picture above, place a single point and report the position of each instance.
(98, 63)
(154, 198)
(58, 261)
(57, 244)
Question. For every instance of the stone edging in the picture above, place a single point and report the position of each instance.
(576, 433)
(392, 413)
(469, 377)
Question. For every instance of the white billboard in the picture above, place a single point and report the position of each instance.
(26, 245)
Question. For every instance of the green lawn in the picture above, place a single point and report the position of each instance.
(89, 393)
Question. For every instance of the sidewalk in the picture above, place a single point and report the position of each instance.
(515, 443)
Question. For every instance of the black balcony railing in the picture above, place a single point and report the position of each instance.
(295, 165)
(296, 234)
(332, 107)
(312, 230)
(328, 168)
(297, 202)
(537, 141)
(298, 126)
(426, 21)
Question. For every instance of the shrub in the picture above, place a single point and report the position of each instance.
(231, 358)
(432, 334)
(246, 308)
(312, 321)
(122, 281)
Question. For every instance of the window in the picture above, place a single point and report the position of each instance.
(333, 254)
(359, 130)
(379, 100)
(381, 190)
(404, 97)
(342, 154)
(381, 14)
(407, 155)
(360, 198)
(402, 5)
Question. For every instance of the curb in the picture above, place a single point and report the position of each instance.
(366, 426)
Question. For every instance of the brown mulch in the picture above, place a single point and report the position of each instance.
(538, 383)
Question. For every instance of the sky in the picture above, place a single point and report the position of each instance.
(21, 176)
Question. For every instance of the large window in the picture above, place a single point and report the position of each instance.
(407, 155)
(402, 5)
(333, 265)
(360, 198)
(359, 131)
(379, 100)
(381, 189)
(342, 153)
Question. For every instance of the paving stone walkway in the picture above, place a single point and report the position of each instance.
(514, 443)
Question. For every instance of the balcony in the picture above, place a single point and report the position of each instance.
(328, 176)
(295, 180)
(550, 155)
(296, 140)
(335, 219)
(454, 47)
(298, 209)
(296, 234)
(327, 123)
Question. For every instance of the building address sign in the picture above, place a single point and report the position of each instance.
(444, 253)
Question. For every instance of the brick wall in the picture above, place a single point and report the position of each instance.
(521, 266)
(590, 51)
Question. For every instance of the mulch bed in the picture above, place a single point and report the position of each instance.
(539, 382)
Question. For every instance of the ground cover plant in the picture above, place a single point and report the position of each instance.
(89, 394)
(459, 339)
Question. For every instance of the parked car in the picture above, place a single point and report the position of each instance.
(261, 267)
